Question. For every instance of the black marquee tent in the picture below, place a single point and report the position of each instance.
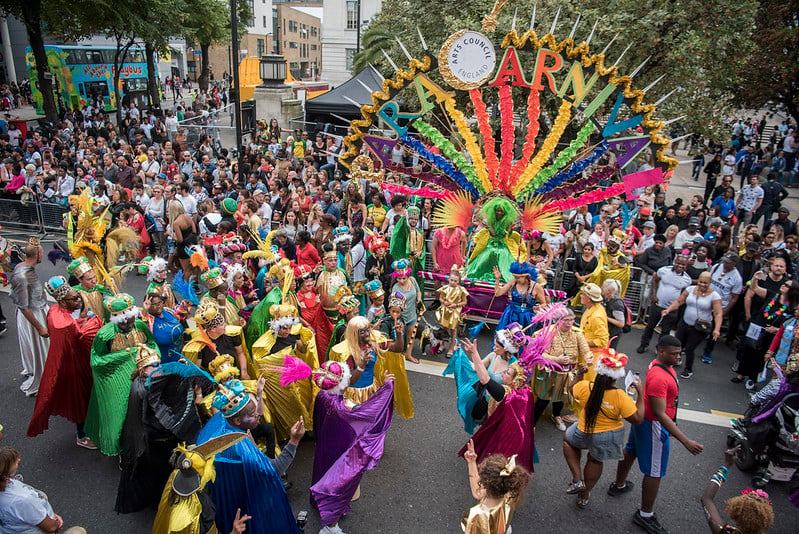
(321, 109)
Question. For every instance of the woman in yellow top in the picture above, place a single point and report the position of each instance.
(498, 483)
(600, 428)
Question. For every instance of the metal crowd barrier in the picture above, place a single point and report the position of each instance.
(31, 215)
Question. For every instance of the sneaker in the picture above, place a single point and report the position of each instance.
(559, 424)
(707, 358)
(750, 384)
(641, 349)
(86, 443)
(575, 487)
(615, 491)
(734, 366)
(650, 524)
(3, 328)
(686, 374)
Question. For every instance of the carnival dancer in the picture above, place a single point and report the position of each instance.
(166, 324)
(28, 296)
(347, 307)
(525, 294)
(156, 271)
(91, 293)
(407, 242)
(162, 411)
(568, 349)
(472, 401)
(508, 427)
(350, 440)
(498, 483)
(342, 239)
(286, 337)
(214, 337)
(378, 265)
(235, 292)
(113, 362)
(496, 245)
(600, 428)
(612, 263)
(410, 290)
(246, 480)
(377, 297)
(67, 379)
(216, 282)
(452, 298)
(282, 274)
(448, 249)
(329, 281)
(393, 357)
(311, 313)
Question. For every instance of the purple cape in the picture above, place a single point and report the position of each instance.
(348, 443)
(509, 430)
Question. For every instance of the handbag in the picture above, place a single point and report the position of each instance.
(703, 327)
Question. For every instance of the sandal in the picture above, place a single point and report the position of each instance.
(582, 502)
(412, 359)
(575, 487)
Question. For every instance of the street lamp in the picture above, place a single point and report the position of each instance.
(273, 70)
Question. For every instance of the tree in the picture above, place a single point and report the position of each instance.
(772, 68)
(701, 47)
(208, 22)
(373, 41)
(30, 12)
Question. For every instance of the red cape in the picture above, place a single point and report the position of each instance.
(67, 379)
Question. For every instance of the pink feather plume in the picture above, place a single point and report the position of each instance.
(294, 370)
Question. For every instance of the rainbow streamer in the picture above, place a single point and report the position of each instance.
(562, 120)
(449, 150)
(562, 159)
(508, 136)
(492, 163)
(533, 111)
(414, 191)
(578, 186)
(586, 198)
(470, 141)
(441, 163)
(574, 169)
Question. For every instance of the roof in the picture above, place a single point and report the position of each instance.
(336, 100)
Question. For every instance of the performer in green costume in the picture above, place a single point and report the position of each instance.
(496, 245)
(407, 241)
(282, 293)
(113, 359)
(92, 293)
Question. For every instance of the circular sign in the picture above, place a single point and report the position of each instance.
(467, 59)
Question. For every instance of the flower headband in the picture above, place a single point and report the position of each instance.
(756, 494)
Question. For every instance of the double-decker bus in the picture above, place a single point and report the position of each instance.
(83, 73)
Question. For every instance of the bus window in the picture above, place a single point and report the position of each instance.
(82, 89)
(76, 57)
(134, 85)
(135, 56)
(96, 88)
(94, 57)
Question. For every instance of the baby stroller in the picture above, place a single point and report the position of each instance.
(769, 435)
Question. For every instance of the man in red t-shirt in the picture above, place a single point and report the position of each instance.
(649, 441)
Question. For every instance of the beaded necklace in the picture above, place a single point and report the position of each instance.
(767, 311)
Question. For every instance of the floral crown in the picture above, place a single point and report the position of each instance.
(758, 494)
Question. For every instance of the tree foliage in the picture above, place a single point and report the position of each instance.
(700, 47)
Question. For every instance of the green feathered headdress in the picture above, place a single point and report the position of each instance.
(510, 213)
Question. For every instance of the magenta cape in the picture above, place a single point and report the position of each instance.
(509, 430)
(67, 378)
(348, 443)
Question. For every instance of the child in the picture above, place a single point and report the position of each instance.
(453, 299)
(648, 198)
(498, 484)
(377, 296)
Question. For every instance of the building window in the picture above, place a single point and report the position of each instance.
(350, 58)
(264, 20)
(260, 46)
(252, 13)
(313, 47)
(352, 14)
(292, 44)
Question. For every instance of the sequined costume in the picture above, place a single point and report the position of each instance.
(446, 316)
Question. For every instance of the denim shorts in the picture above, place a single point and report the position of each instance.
(602, 446)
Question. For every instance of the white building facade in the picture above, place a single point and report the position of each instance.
(340, 32)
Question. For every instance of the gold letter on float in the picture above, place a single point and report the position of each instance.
(576, 79)
(509, 72)
(542, 70)
(425, 85)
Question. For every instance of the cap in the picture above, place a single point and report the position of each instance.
(753, 246)
(730, 257)
(693, 221)
(645, 211)
(786, 210)
(649, 224)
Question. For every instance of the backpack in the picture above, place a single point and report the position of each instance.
(628, 319)
(149, 224)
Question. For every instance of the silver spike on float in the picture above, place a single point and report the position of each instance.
(678, 139)
(639, 67)
(351, 101)
(607, 47)
(591, 35)
(513, 22)
(421, 38)
(532, 19)
(555, 22)
(664, 97)
(365, 86)
(681, 117)
(404, 50)
(574, 28)
(685, 160)
(651, 85)
(622, 54)
(382, 79)
(390, 61)
(342, 119)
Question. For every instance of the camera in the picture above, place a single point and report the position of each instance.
(302, 519)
